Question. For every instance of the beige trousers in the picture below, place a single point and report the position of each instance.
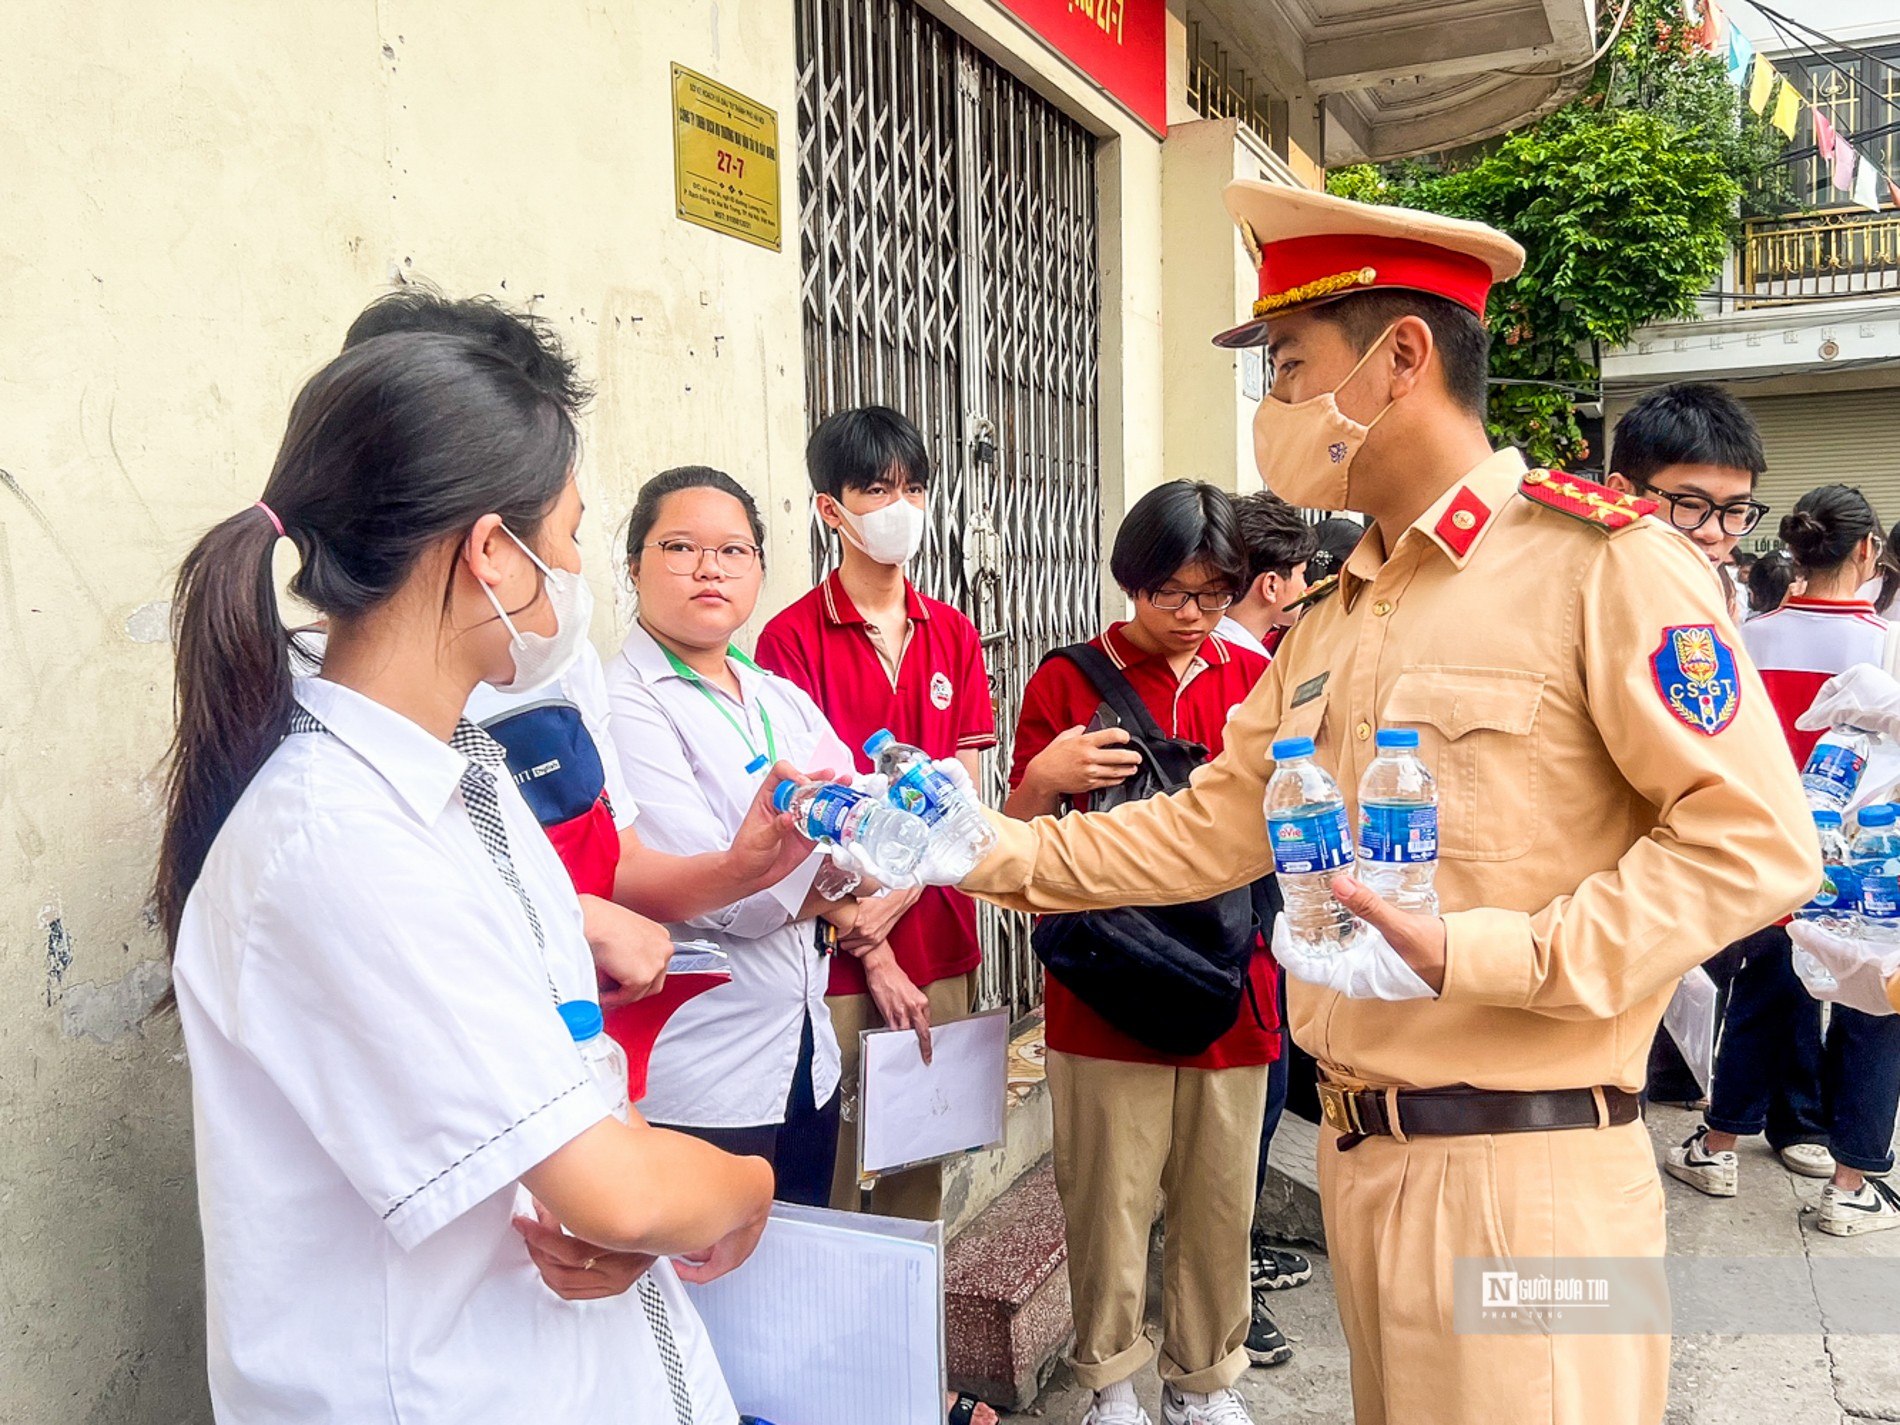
(1124, 1132)
(917, 1194)
(1399, 1214)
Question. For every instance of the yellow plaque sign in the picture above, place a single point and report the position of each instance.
(725, 159)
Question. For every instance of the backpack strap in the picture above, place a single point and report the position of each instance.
(1114, 689)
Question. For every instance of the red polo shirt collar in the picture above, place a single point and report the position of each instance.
(840, 610)
(1124, 653)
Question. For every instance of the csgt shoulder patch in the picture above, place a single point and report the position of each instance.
(1694, 672)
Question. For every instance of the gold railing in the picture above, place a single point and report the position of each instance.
(1836, 252)
(1219, 88)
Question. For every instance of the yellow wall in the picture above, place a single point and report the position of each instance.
(199, 196)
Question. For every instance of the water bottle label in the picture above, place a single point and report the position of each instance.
(1880, 894)
(1840, 891)
(1836, 765)
(1399, 835)
(1304, 844)
(830, 815)
(925, 792)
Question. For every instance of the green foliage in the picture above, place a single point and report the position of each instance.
(1625, 200)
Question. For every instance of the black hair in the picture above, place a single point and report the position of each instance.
(1825, 525)
(1337, 538)
(855, 449)
(1181, 522)
(1690, 423)
(1459, 335)
(1889, 571)
(1276, 539)
(530, 342)
(1769, 578)
(397, 445)
(646, 506)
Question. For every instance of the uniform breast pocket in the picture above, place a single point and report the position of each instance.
(1478, 733)
(1306, 720)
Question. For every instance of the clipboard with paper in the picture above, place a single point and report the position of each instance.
(911, 1113)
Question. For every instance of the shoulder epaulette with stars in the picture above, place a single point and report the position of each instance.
(1316, 592)
(1609, 510)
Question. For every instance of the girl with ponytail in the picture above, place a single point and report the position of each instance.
(377, 954)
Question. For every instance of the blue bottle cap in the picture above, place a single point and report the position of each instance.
(1292, 747)
(878, 741)
(584, 1019)
(1824, 816)
(782, 796)
(1882, 815)
(756, 765)
(1397, 737)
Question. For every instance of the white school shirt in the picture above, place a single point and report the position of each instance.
(726, 1058)
(376, 1060)
(584, 685)
(1233, 632)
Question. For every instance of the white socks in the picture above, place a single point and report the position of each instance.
(1120, 1393)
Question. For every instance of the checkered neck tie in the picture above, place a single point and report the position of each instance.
(484, 813)
(654, 1305)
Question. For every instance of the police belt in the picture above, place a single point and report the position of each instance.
(1359, 1113)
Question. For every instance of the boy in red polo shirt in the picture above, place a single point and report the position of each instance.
(1130, 1121)
(874, 653)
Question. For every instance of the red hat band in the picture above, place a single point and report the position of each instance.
(1306, 269)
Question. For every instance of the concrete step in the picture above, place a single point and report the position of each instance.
(1006, 1295)
(1288, 1210)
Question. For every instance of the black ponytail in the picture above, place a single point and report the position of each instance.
(1825, 527)
(398, 444)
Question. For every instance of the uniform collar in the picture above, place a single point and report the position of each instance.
(1123, 653)
(840, 610)
(1456, 522)
(643, 653)
(423, 770)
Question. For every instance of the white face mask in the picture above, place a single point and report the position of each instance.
(541, 658)
(891, 534)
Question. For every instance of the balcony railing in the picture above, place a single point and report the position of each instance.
(1807, 257)
(1219, 88)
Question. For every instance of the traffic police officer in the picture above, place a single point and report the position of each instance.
(1616, 804)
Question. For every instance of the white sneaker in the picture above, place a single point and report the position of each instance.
(1713, 1173)
(1874, 1208)
(1219, 1407)
(1114, 1412)
(1808, 1160)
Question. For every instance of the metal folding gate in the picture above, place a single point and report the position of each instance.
(948, 227)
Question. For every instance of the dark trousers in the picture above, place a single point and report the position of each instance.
(1861, 1075)
(1276, 1095)
(801, 1149)
(1768, 1060)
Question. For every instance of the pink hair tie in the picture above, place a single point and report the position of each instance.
(276, 523)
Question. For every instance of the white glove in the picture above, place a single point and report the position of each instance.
(954, 769)
(1864, 696)
(872, 784)
(1844, 968)
(1368, 968)
(853, 859)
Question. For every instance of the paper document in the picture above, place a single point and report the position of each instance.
(911, 1112)
(837, 1319)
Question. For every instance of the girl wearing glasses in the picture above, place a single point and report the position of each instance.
(1841, 1125)
(697, 726)
(1130, 1120)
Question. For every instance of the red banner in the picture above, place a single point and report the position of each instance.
(1121, 44)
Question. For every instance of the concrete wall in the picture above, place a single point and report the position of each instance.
(200, 194)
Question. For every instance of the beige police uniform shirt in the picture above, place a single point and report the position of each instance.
(1605, 823)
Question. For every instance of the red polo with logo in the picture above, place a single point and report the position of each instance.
(1194, 706)
(939, 701)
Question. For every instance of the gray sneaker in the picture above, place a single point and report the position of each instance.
(1808, 1160)
(1716, 1174)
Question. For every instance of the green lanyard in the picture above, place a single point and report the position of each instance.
(759, 762)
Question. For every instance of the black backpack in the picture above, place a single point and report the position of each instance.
(1172, 976)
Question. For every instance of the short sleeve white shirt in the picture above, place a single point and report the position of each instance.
(376, 1060)
(726, 1058)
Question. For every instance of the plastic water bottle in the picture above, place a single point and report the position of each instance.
(1833, 770)
(894, 841)
(1834, 904)
(1398, 824)
(1312, 843)
(606, 1061)
(960, 836)
(1876, 861)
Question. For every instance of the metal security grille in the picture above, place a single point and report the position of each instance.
(948, 229)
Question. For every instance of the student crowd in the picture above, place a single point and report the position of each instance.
(398, 841)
